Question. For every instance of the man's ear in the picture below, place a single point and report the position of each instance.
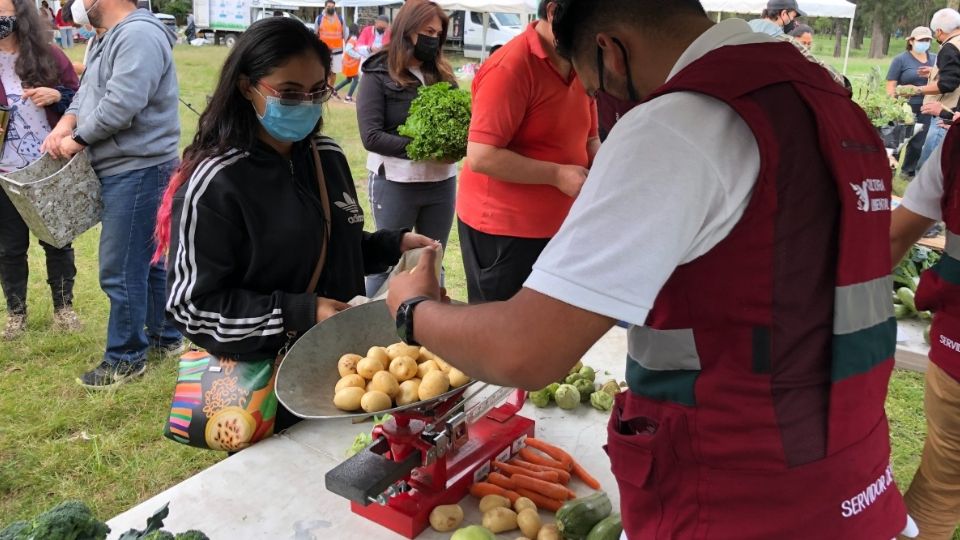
(613, 59)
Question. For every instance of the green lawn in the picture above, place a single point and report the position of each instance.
(59, 441)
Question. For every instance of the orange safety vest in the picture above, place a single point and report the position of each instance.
(351, 65)
(330, 32)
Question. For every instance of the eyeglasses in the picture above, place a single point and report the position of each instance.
(288, 97)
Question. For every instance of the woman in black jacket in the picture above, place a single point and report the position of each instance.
(407, 194)
(244, 217)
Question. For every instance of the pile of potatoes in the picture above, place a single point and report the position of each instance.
(391, 376)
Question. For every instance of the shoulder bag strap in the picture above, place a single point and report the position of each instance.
(325, 201)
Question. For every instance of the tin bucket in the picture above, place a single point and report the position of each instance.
(58, 199)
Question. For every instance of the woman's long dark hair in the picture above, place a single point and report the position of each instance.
(229, 121)
(411, 17)
(35, 65)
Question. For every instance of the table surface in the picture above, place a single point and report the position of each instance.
(275, 489)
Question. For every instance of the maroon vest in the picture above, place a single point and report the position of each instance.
(939, 289)
(757, 387)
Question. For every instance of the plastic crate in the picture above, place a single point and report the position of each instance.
(58, 199)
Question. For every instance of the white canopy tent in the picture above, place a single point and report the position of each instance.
(487, 7)
(813, 8)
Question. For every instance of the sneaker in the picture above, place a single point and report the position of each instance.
(109, 376)
(171, 349)
(348, 99)
(65, 319)
(16, 326)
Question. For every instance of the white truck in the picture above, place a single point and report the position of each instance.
(227, 19)
(502, 28)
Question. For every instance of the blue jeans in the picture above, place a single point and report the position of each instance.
(935, 135)
(66, 37)
(136, 289)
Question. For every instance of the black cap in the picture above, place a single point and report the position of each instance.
(789, 5)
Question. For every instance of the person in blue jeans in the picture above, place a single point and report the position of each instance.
(125, 116)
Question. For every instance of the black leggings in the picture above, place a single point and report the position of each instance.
(352, 81)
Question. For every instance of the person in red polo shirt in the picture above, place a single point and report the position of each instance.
(532, 139)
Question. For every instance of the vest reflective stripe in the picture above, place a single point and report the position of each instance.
(863, 305)
(663, 350)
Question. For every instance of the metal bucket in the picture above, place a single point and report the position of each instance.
(58, 199)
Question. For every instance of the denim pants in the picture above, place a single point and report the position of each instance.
(424, 207)
(66, 37)
(14, 242)
(935, 137)
(136, 289)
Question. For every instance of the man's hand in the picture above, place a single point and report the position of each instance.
(570, 178)
(421, 281)
(42, 97)
(51, 145)
(924, 71)
(934, 108)
(414, 241)
(69, 148)
(327, 308)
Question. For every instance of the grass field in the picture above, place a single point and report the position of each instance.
(59, 441)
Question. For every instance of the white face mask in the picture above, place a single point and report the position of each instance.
(79, 12)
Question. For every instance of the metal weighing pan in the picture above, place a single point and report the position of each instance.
(308, 374)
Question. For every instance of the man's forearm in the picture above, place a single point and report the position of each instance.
(512, 167)
(68, 121)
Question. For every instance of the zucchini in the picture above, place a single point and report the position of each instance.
(926, 334)
(576, 518)
(609, 528)
(906, 297)
(901, 311)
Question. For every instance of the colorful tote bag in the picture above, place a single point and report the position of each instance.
(222, 404)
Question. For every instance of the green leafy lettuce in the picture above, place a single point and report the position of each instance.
(438, 123)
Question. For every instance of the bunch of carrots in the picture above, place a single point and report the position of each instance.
(540, 472)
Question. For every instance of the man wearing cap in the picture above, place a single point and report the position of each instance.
(942, 93)
(778, 19)
(752, 263)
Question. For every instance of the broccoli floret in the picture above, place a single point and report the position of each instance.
(18, 530)
(71, 520)
(192, 535)
(159, 535)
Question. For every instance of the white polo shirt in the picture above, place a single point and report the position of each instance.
(669, 183)
(925, 194)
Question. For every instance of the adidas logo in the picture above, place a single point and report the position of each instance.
(349, 205)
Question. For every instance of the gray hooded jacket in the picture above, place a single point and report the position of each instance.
(126, 107)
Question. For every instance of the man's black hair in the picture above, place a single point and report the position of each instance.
(800, 30)
(577, 20)
(542, 9)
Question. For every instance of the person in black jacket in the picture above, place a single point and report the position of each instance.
(243, 218)
(944, 85)
(417, 195)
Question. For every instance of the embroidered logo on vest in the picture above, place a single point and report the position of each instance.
(863, 191)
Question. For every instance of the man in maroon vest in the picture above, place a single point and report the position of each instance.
(934, 495)
(738, 218)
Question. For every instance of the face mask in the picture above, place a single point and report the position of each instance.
(80, 13)
(609, 107)
(331, 11)
(921, 46)
(7, 26)
(426, 48)
(789, 26)
(381, 30)
(289, 123)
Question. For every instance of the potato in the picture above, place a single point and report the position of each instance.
(403, 368)
(441, 365)
(500, 520)
(379, 354)
(348, 364)
(375, 401)
(369, 386)
(350, 380)
(433, 384)
(425, 355)
(368, 367)
(529, 522)
(349, 398)
(549, 532)
(446, 517)
(489, 502)
(409, 392)
(524, 503)
(457, 378)
(384, 382)
(402, 349)
(426, 367)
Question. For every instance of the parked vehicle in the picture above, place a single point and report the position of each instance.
(467, 31)
(227, 19)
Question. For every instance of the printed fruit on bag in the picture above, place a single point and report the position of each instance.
(230, 429)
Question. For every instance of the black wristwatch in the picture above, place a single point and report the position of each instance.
(78, 139)
(405, 320)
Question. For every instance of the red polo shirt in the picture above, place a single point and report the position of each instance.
(521, 103)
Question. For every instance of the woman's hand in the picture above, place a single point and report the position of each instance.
(924, 71)
(42, 97)
(327, 307)
(414, 241)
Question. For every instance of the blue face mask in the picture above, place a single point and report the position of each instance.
(289, 123)
(921, 46)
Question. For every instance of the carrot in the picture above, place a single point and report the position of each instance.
(564, 476)
(482, 489)
(548, 489)
(501, 480)
(585, 476)
(528, 454)
(554, 452)
(542, 502)
(547, 476)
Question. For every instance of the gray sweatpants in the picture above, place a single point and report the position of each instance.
(424, 207)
